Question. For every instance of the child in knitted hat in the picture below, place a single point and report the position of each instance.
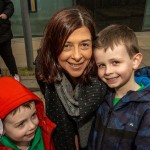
(23, 124)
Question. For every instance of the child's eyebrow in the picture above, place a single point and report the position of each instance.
(115, 58)
(18, 123)
(21, 121)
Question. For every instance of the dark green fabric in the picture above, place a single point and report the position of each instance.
(116, 100)
(36, 144)
(141, 87)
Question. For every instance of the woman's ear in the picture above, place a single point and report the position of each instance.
(137, 59)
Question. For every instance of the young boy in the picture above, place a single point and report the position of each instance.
(23, 124)
(123, 118)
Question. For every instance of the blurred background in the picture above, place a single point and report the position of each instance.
(31, 16)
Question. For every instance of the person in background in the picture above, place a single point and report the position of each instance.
(65, 73)
(123, 118)
(23, 123)
(6, 11)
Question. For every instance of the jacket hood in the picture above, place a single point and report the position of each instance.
(142, 76)
(14, 94)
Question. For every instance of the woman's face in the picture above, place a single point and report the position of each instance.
(77, 52)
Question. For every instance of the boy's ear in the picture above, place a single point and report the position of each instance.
(137, 58)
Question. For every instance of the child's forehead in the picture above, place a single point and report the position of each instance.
(113, 46)
(117, 52)
(16, 111)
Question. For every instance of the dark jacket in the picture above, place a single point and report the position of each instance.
(126, 126)
(6, 7)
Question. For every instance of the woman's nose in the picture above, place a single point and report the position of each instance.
(77, 55)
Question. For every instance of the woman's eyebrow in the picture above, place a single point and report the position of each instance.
(86, 40)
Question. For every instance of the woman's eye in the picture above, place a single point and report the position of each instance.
(85, 46)
(67, 47)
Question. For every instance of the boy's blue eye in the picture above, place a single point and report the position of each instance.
(34, 115)
(100, 66)
(20, 125)
(115, 62)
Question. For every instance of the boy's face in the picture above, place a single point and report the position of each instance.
(21, 126)
(115, 67)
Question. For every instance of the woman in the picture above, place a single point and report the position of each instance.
(64, 70)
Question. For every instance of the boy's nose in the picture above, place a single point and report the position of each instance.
(32, 125)
(108, 70)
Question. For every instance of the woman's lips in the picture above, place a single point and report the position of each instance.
(76, 66)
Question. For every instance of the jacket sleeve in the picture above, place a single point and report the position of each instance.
(9, 8)
(142, 140)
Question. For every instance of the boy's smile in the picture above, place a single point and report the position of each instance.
(111, 80)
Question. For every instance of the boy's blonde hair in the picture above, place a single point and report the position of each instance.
(117, 34)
